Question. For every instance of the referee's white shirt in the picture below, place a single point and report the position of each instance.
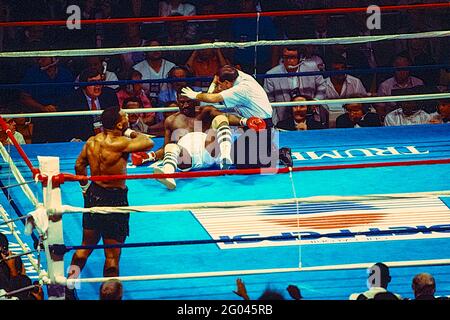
(247, 98)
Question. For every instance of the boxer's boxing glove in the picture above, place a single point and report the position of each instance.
(140, 158)
(254, 123)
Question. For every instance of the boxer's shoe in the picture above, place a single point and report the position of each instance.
(168, 182)
(225, 163)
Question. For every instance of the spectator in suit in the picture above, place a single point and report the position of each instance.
(280, 89)
(357, 115)
(94, 97)
(300, 118)
(100, 64)
(378, 281)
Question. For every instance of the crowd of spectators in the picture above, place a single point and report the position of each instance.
(266, 61)
(423, 287)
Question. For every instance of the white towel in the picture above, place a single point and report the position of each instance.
(37, 219)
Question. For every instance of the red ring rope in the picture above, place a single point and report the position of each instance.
(61, 178)
(227, 16)
(22, 153)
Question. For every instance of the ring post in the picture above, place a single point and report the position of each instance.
(49, 167)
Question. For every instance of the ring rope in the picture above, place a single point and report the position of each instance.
(219, 45)
(18, 184)
(204, 79)
(63, 177)
(383, 99)
(12, 293)
(13, 220)
(254, 203)
(297, 211)
(22, 245)
(353, 266)
(227, 16)
(18, 176)
(19, 255)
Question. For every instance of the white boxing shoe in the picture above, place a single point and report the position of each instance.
(168, 182)
(225, 163)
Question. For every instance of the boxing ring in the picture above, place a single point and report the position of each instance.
(344, 229)
(354, 198)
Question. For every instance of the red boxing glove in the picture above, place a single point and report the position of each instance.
(256, 124)
(140, 158)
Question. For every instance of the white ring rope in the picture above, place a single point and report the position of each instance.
(353, 266)
(237, 204)
(219, 45)
(22, 245)
(384, 99)
(20, 180)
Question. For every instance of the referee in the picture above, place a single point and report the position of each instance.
(238, 91)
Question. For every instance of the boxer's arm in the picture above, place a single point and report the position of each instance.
(210, 97)
(210, 112)
(140, 142)
(82, 163)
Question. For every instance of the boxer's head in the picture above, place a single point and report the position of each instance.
(114, 119)
(227, 76)
(186, 105)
